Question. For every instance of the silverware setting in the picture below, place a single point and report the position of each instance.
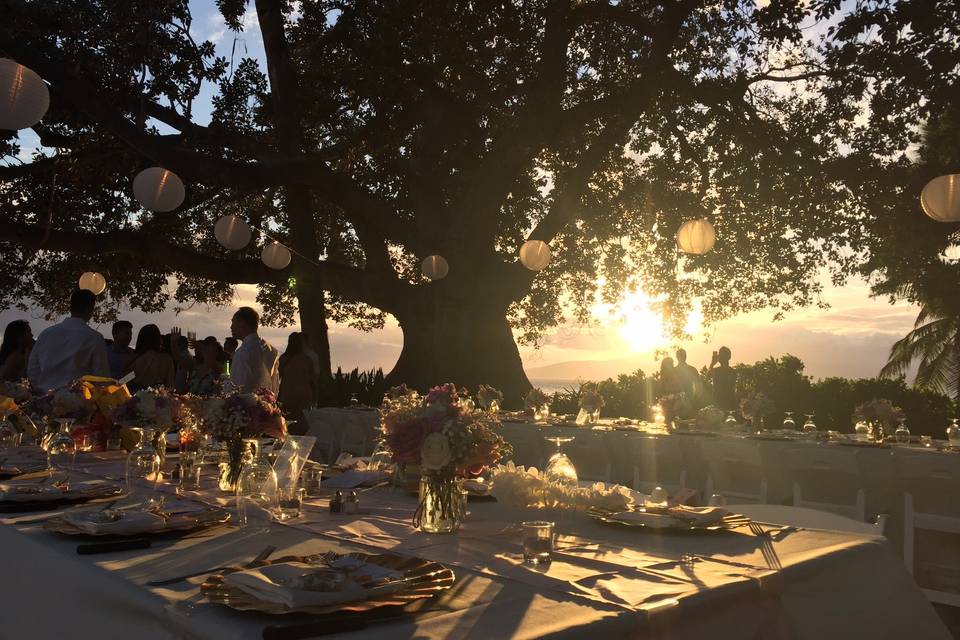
(263, 555)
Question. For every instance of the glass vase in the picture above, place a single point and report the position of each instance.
(239, 452)
(142, 469)
(443, 503)
(256, 490)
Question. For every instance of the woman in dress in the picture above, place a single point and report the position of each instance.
(209, 366)
(150, 366)
(15, 351)
(298, 385)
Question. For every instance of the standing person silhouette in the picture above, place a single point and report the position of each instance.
(724, 380)
(687, 378)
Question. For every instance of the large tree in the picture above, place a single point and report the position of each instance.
(382, 132)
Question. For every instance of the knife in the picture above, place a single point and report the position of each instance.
(117, 545)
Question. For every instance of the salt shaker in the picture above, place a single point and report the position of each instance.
(336, 504)
(352, 503)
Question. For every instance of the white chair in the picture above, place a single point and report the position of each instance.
(931, 502)
(734, 469)
(806, 518)
(658, 462)
(355, 440)
(827, 479)
(591, 458)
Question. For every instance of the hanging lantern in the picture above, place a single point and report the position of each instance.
(25, 96)
(275, 256)
(435, 267)
(940, 199)
(158, 189)
(93, 282)
(232, 232)
(535, 254)
(696, 237)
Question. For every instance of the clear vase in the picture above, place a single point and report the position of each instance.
(142, 469)
(256, 490)
(239, 453)
(443, 503)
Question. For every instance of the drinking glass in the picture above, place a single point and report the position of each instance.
(560, 469)
(189, 472)
(731, 421)
(289, 502)
(658, 498)
(926, 441)
(9, 435)
(310, 479)
(541, 413)
(143, 469)
(810, 427)
(788, 422)
(902, 434)
(953, 433)
(354, 401)
(381, 457)
(62, 451)
(537, 541)
(256, 489)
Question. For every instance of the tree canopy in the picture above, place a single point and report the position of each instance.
(383, 131)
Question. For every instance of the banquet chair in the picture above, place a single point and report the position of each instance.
(931, 484)
(322, 430)
(826, 478)
(528, 447)
(658, 462)
(777, 514)
(734, 469)
(355, 440)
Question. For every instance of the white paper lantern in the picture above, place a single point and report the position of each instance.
(93, 282)
(696, 237)
(535, 254)
(940, 199)
(158, 189)
(232, 232)
(26, 97)
(275, 256)
(435, 267)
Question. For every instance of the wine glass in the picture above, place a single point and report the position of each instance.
(731, 421)
(256, 489)
(953, 433)
(62, 451)
(902, 434)
(788, 422)
(354, 401)
(381, 457)
(810, 427)
(143, 469)
(9, 435)
(560, 469)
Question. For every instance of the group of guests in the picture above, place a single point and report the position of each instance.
(72, 348)
(681, 377)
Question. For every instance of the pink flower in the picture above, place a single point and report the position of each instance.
(444, 394)
(406, 438)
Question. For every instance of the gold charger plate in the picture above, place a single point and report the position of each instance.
(176, 523)
(42, 501)
(728, 522)
(424, 579)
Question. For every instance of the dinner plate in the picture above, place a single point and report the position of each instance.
(728, 522)
(52, 500)
(424, 579)
(176, 522)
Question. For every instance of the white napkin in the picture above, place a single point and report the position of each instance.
(700, 516)
(271, 584)
(673, 517)
(647, 519)
(129, 522)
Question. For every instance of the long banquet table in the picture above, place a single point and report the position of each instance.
(614, 582)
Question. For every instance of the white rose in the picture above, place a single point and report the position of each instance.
(435, 452)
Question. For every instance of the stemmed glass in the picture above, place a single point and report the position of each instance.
(902, 434)
(788, 422)
(256, 488)
(381, 457)
(560, 469)
(953, 433)
(143, 469)
(62, 451)
(731, 421)
(354, 401)
(810, 427)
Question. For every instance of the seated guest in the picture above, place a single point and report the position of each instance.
(255, 362)
(119, 354)
(15, 351)
(209, 366)
(151, 367)
(69, 349)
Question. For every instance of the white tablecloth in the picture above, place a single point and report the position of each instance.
(608, 581)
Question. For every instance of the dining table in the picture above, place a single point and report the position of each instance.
(603, 580)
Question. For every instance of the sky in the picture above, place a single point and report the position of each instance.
(851, 338)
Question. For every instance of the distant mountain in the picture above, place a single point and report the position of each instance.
(586, 369)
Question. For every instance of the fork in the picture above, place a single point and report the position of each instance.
(263, 555)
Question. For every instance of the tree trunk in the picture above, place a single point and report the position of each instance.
(464, 341)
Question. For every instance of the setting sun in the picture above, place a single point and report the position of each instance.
(639, 320)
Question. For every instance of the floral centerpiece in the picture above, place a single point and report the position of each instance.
(236, 416)
(538, 403)
(880, 415)
(756, 407)
(590, 404)
(490, 398)
(675, 405)
(448, 443)
(710, 418)
(155, 410)
(528, 488)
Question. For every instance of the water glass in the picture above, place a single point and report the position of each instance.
(537, 541)
(189, 473)
(717, 500)
(114, 444)
(310, 479)
(658, 498)
(289, 502)
(926, 441)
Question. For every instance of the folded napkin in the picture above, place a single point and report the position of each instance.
(283, 584)
(656, 518)
(36, 491)
(699, 516)
(115, 522)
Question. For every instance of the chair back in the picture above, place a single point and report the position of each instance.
(658, 461)
(826, 478)
(735, 469)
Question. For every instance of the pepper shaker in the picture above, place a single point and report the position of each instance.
(336, 504)
(352, 503)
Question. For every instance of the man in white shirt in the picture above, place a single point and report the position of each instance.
(255, 363)
(70, 349)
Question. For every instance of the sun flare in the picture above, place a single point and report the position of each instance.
(639, 321)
